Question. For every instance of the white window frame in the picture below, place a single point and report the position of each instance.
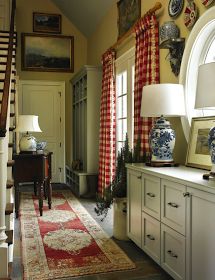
(197, 46)
(125, 63)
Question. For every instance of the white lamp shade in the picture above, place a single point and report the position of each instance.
(205, 91)
(162, 99)
(28, 123)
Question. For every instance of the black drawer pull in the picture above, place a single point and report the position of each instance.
(151, 194)
(172, 204)
(186, 194)
(150, 237)
(172, 254)
(139, 177)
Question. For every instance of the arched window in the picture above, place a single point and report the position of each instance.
(200, 49)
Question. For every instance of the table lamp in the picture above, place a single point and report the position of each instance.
(28, 123)
(159, 100)
(205, 99)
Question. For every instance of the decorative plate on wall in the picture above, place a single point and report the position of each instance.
(190, 14)
(175, 7)
(207, 2)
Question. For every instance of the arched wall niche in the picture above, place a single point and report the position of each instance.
(195, 53)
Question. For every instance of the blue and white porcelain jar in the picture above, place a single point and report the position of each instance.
(162, 141)
(211, 144)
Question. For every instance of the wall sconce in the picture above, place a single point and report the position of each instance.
(169, 39)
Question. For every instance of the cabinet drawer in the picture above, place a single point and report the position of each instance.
(151, 195)
(151, 237)
(173, 252)
(173, 205)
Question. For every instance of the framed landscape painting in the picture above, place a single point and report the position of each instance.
(47, 52)
(48, 23)
(128, 13)
(198, 154)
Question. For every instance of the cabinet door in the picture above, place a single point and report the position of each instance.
(173, 205)
(202, 247)
(151, 195)
(134, 206)
(151, 237)
(173, 253)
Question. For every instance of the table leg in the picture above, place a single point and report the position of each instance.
(40, 197)
(49, 191)
(45, 189)
(17, 200)
(35, 188)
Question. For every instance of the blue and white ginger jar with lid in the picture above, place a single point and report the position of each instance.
(162, 141)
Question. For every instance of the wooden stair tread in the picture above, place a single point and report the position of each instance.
(12, 80)
(9, 239)
(9, 208)
(10, 184)
(4, 63)
(5, 55)
(3, 71)
(10, 162)
(12, 90)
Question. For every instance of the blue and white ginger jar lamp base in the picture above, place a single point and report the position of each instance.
(211, 144)
(162, 142)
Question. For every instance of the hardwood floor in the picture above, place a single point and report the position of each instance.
(146, 268)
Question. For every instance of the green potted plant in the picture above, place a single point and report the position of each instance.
(115, 194)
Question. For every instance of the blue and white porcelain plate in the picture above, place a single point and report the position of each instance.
(175, 7)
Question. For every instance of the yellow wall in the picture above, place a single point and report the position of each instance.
(24, 14)
(106, 35)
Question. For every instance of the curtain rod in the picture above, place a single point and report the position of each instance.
(156, 7)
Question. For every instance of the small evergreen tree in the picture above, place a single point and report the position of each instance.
(118, 187)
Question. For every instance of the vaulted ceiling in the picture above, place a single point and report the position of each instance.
(84, 14)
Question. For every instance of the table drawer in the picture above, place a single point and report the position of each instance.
(173, 252)
(173, 205)
(151, 237)
(151, 195)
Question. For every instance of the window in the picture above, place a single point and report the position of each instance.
(124, 98)
(199, 49)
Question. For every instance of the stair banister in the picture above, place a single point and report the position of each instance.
(4, 139)
(6, 88)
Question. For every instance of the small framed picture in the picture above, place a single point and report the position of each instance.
(128, 13)
(46, 23)
(198, 154)
(47, 53)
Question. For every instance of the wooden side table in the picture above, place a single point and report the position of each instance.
(33, 168)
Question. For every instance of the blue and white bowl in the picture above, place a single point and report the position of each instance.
(41, 145)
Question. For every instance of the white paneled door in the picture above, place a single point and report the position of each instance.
(47, 100)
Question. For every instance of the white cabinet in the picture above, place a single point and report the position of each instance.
(202, 238)
(177, 213)
(86, 93)
(134, 218)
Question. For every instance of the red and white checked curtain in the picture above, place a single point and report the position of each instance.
(146, 73)
(107, 136)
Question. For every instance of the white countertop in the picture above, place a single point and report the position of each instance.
(190, 177)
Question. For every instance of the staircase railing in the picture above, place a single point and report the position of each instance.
(6, 87)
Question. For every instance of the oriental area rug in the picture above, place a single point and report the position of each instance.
(66, 241)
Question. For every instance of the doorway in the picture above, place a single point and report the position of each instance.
(46, 99)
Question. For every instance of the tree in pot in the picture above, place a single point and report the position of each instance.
(116, 192)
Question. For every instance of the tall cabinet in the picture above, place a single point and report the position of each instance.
(86, 93)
